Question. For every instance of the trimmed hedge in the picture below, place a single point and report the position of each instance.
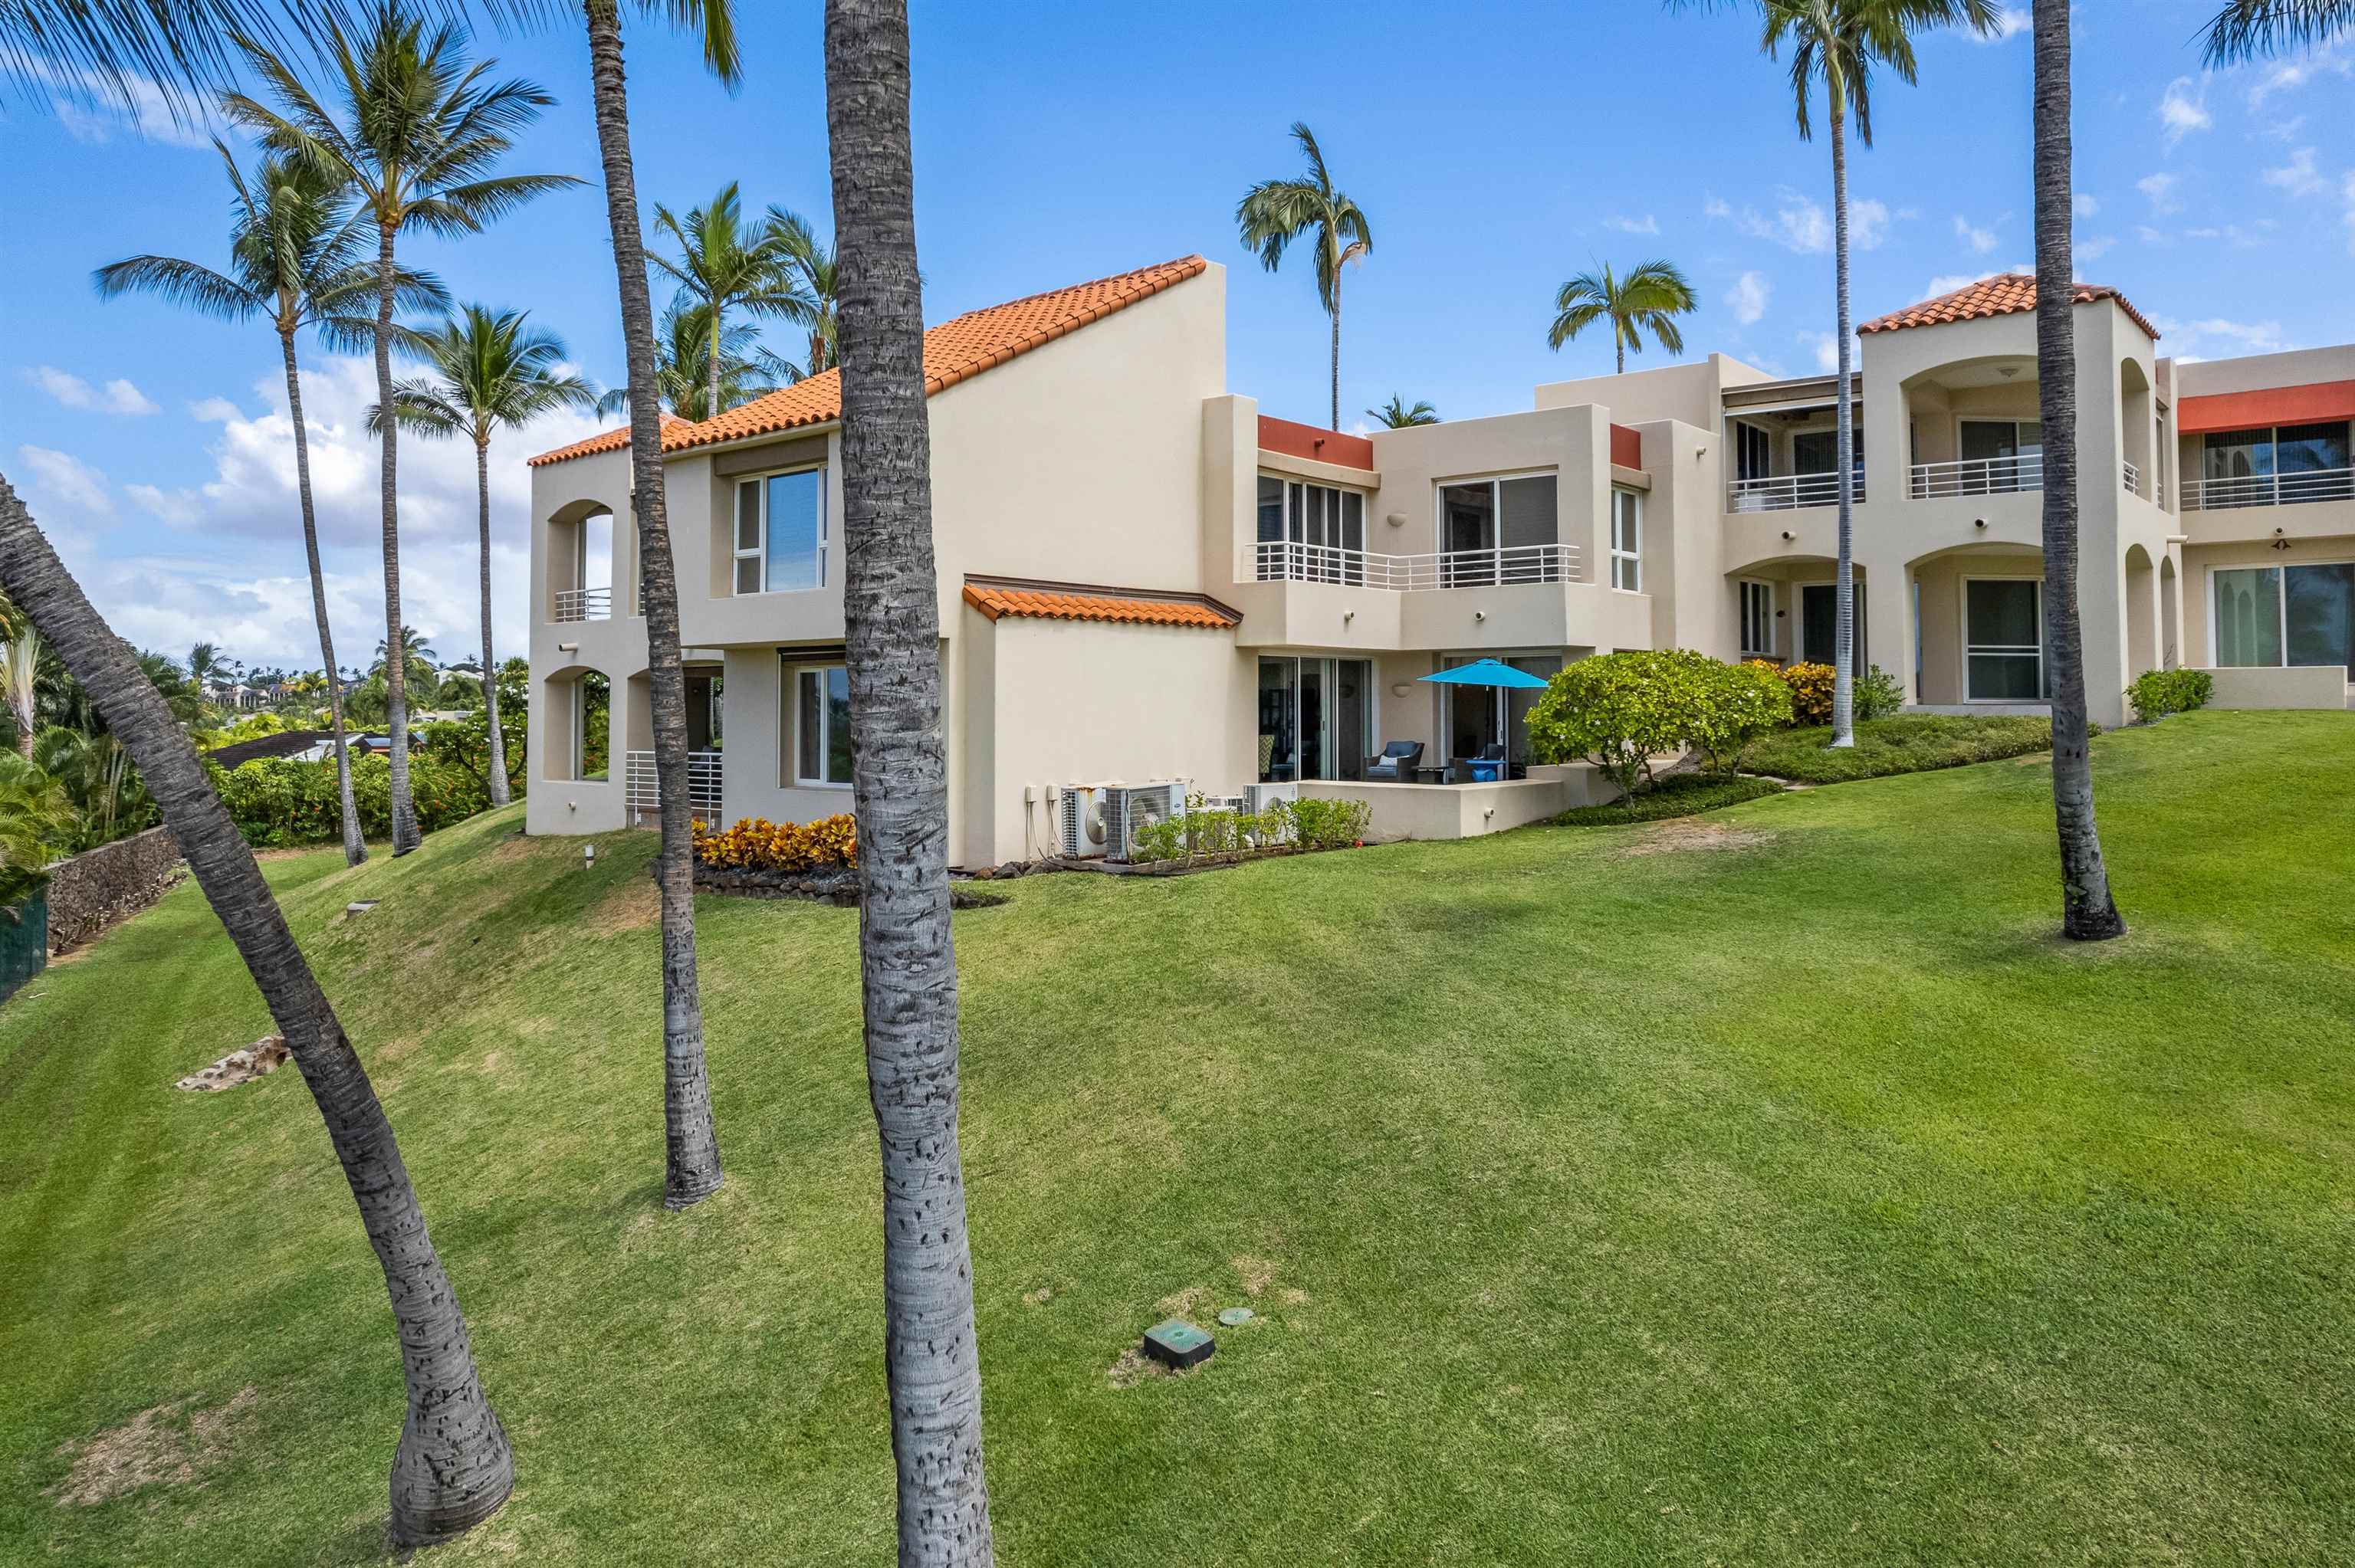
(2159, 693)
(1908, 743)
(1678, 795)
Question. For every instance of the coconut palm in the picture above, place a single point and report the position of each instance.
(2088, 913)
(419, 664)
(452, 1467)
(682, 356)
(297, 259)
(899, 790)
(1648, 299)
(1838, 43)
(490, 371)
(808, 264)
(2251, 29)
(1274, 213)
(420, 131)
(1398, 416)
(692, 1169)
(724, 263)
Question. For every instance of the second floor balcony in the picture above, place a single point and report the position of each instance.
(2300, 487)
(1979, 476)
(1789, 492)
(1289, 561)
(584, 604)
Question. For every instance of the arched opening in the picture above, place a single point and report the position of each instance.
(2135, 425)
(1788, 612)
(1975, 427)
(2170, 616)
(1979, 626)
(2142, 613)
(580, 560)
(575, 739)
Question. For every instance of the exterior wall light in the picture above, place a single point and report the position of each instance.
(1480, 615)
(1788, 535)
(1978, 522)
(1347, 616)
(567, 648)
(1401, 688)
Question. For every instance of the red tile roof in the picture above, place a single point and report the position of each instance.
(995, 597)
(2007, 293)
(954, 351)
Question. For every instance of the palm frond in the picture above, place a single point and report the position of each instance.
(2256, 29)
(184, 283)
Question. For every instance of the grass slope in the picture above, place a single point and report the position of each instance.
(1771, 1188)
(1905, 743)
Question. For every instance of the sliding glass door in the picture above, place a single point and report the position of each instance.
(2003, 639)
(1315, 718)
(1474, 718)
(2272, 616)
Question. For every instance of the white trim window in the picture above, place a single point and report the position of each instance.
(2273, 617)
(1757, 619)
(817, 726)
(2003, 640)
(780, 533)
(1627, 541)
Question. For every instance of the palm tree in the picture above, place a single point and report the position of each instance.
(421, 128)
(1398, 416)
(899, 790)
(808, 263)
(417, 660)
(682, 356)
(2249, 30)
(452, 1467)
(724, 262)
(1274, 213)
(20, 665)
(1648, 299)
(491, 371)
(296, 250)
(2088, 913)
(1839, 42)
(691, 1169)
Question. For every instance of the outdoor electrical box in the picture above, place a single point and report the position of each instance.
(1178, 1344)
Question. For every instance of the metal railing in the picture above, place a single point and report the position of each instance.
(1787, 492)
(641, 788)
(1285, 561)
(2132, 475)
(2269, 489)
(584, 604)
(1979, 476)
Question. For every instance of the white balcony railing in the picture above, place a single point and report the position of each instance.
(584, 604)
(2269, 489)
(2131, 475)
(1284, 561)
(643, 788)
(1787, 492)
(1979, 476)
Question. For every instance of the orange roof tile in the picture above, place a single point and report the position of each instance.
(995, 597)
(954, 351)
(2005, 294)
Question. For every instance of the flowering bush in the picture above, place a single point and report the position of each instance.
(755, 843)
(1811, 690)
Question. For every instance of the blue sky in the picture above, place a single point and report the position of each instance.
(1496, 148)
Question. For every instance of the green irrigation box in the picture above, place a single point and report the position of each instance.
(23, 942)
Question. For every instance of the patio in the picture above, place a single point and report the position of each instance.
(1467, 810)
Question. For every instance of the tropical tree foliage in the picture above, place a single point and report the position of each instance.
(683, 371)
(725, 263)
(1274, 213)
(1398, 416)
(1648, 299)
(2251, 29)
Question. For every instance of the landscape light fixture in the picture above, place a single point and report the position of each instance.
(589, 857)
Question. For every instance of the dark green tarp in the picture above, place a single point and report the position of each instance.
(23, 942)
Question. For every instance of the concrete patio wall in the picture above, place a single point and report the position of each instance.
(1468, 810)
(2293, 686)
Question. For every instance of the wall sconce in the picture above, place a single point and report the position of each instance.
(1480, 615)
(1700, 451)
(1401, 688)
(1347, 616)
(1978, 522)
(1788, 535)
(1396, 519)
(567, 648)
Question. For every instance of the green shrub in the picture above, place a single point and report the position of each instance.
(1619, 710)
(1908, 743)
(1733, 705)
(1678, 795)
(2159, 693)
(1328, 824)
(1876, 694)
(278, 801)
(1208, 835)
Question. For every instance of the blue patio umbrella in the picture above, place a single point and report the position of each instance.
(1488, 672)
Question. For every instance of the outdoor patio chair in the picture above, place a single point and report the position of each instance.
(1397, 763)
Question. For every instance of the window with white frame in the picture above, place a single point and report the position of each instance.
(1757, 620)
(1627, 540)
(780, 539)
(817, 721)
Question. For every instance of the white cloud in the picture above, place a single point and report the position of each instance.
(1980, 240)
(1747, 297)
(180, 508)
(2083, 204)
(2009, 22)
(65, 478)
(1647, 224)
(2091, 248)
(1798, 222)
(2297, 176)
(212, 410)
(2235, 235)
(2217, 332)
(2160, 190)
(2290, 75)
(2149, 235)
(2180, 113)
(1826, 347)
(1867, 223)
(117, 397)
(93, 110)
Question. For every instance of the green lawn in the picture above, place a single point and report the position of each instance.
(1906, 743)
(1766, 1187)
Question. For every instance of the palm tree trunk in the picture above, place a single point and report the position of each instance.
(1336, 345)
(355, 846)
(711, 409)
(453, 1469)
(692, 1170)
(1844, 448)
(2088, 914)
(899, 774)
(498, 779)
(405, 836)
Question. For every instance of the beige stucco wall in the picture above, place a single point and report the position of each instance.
(2292, 686)
(1689, 393)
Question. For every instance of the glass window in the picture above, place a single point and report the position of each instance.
(1753, 452)
(747, 536)
(2236, 454)
(1758, 619)
(1279, 756)
(2319, 614)
(822, 725)
(2310, 449)
(1270, 509)
(2004, 632)
(795, 518)
(1627, 541)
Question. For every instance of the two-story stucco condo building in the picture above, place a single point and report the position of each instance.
(1141, 578)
